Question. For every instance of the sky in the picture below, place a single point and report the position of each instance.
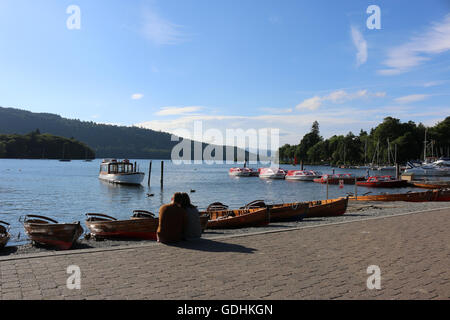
(248, 64)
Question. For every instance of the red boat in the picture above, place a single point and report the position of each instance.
(347, 178)
(383, 182)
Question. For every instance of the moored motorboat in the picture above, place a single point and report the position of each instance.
(303, 175)
(327, 208)
(239, 172)
(121, 172)
(47, 231)
(4, 233)
(271, 173)
(346, 178)
(440, 167)
(232, 219)
(142, 225)
(382, 182)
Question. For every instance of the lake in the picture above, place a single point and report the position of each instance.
(66, 191)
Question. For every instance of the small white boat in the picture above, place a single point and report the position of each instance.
(303, 175)
(272, 173)
(121, 172)
(240, 172)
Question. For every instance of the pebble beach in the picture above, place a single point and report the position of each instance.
(357, 210)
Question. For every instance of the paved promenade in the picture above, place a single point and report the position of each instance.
(325, 262)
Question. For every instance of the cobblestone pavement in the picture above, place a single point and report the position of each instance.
(324, 262)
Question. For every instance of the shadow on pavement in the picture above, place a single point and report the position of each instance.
(212, 246)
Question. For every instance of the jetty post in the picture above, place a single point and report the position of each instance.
(397, 171)
(149, 173)
(327, 188)
(356, 189)
(301, 165)
(162, 173)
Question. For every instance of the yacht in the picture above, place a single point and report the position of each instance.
(440, 167)
(272, 173)
(121, 172)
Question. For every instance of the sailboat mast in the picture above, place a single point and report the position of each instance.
(425, 147)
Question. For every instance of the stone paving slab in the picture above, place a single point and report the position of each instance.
(325, 262)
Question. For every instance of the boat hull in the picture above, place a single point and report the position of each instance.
(327, 208)
(431, 184)
(136, 228)
(288, 212)
(271, 176)
(135, 178)
(233, 219)
(431, 195)
(61, 236)
(336, 180)
(301, 178)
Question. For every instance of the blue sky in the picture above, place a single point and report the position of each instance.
(231, 64)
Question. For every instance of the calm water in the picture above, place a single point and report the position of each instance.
(67, 190)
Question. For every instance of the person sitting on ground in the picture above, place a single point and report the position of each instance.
(172, 219)
(192, 228)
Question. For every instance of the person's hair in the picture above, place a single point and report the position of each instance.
(186, 201)
(178, 198)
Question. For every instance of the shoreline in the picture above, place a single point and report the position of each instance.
(356, 210)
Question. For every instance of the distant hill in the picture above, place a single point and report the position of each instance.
(107, 141)
(42, 146)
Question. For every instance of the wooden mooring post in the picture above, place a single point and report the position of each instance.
(327, 188)
(149, 173)
(356, 189)
(162, 174)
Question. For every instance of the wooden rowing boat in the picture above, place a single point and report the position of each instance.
(231, 219)
(409, 196)
(430, 184)
(281, 212)
(4, 234)
(326, 208)
(47, 231)
(142, 225)
(442, 194)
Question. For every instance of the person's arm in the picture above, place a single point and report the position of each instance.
(161, 221)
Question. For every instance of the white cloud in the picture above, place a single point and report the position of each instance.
(171, 111)
(435, 40)
(433, 83)
(277, 111)
(361, 46)
(161, 31)
(137, 96)
(411, 98)
(338, 96)
(311, 103)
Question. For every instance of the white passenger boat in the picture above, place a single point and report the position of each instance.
(122, 172)
(303, 175)
(240, 172)
(272, 173)
(440, 167)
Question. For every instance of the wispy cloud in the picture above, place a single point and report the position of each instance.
(403, 58)
(338, 96)
(361, 46)
(434, 83)
(161, 31)
(277, 110)
(137, 96)
(411, 98)
(172, 111)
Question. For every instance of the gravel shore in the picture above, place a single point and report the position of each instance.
(356, 210)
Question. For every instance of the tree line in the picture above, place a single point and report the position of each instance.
(391, 141)
(35, 145)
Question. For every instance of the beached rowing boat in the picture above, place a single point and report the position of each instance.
(4, 233)
(231, 219)
(142, 225)
(327, 208)
(430, 184)
(382, 182)
(423, 196)
(47, 231)
(281, 212)
(204, 221)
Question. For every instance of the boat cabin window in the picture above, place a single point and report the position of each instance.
(117, 167)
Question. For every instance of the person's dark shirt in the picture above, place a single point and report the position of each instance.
(172, 220)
